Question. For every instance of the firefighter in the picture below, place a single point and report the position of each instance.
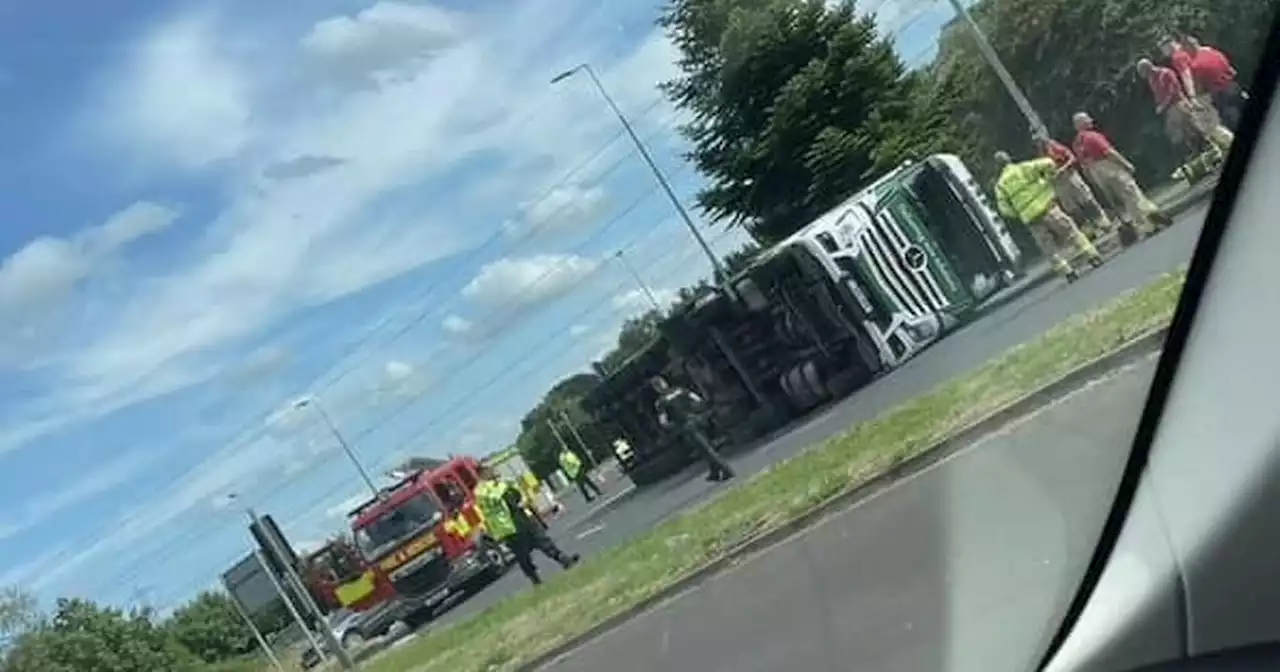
(1024, 191)
(1183, 114)
(1216, 78)
(681, 410)
(1113, 173)
(1073, 193)
(571, 465)
(509, 522)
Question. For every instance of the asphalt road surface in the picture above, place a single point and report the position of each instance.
(967, 566)
(1005, 327)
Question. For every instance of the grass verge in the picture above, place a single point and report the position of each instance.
(518, 629)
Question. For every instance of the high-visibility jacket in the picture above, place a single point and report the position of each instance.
(458, 525)
(570, 463)
(1024, 191)
(491, 500)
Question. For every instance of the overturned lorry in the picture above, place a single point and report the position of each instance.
(850, 296)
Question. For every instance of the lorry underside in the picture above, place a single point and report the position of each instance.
(849, 297)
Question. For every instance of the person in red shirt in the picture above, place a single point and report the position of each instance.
(1107, 168)
(1180, 62)
(1073, 193)
(1215, 77)
(1184, 117)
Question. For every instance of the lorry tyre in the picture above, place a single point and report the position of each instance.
(813, 381)
(784, 381)
(804, 395)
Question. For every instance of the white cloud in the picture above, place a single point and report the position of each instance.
(397, 370)
(638, 300)
(37, 280)
(179, 99)
(382, 40)
(577, 330)
(528, 280)
(566, 209)
(456, 325)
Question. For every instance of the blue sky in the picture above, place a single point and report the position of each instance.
(215, 209)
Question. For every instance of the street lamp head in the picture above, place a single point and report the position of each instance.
(302, 403)
(567, 73)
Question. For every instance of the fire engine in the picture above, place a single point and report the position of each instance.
(415, 545)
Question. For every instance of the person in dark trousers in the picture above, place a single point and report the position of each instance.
(572, 467)
(681, 410)
(508, 521)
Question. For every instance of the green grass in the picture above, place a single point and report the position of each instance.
(523, 626)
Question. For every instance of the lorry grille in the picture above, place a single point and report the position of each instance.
(902, 268)
(424, 579)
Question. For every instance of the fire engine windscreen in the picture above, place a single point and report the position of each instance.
(410, 517)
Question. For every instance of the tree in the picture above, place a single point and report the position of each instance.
(538, 444)
(18, 613)
(84, 636)
(739, 259)
(210, 627)
(785, 98)
(1073, 56)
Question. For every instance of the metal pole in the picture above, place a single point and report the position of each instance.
(573, 429)
(556, 432)
(288, 601)
(716, 267)
(639, 281)
(993, 59)
(291, 575)
(257, 634)
(346, 447)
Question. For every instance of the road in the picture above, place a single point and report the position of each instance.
(967, 566)
(1005, 327)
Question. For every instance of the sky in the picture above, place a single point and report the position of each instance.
(215, 210)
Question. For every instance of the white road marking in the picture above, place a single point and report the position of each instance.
(590, 531)
(666, 640)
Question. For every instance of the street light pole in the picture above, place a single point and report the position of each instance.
(993, 59)
(288, 601)
(308, 603)
(716, 266)
(257, 634)
(639, 281)
(313, 402)
(573, 429)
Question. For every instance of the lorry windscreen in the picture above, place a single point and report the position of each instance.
(396, 525)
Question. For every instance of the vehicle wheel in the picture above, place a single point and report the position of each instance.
(814, 382)
(352, 640)
(784, 381)
(495, 558)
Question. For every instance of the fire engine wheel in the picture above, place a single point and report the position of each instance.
(495, 556)
(352, 640)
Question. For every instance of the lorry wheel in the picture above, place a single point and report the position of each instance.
(813, 381)
(784, 382)
(804, 396)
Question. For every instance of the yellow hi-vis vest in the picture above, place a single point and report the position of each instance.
(458, 525)
(570, 463)
(1024, 190)
(497, 517)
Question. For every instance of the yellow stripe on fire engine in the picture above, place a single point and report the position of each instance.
(410, 551)
(353, 591)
